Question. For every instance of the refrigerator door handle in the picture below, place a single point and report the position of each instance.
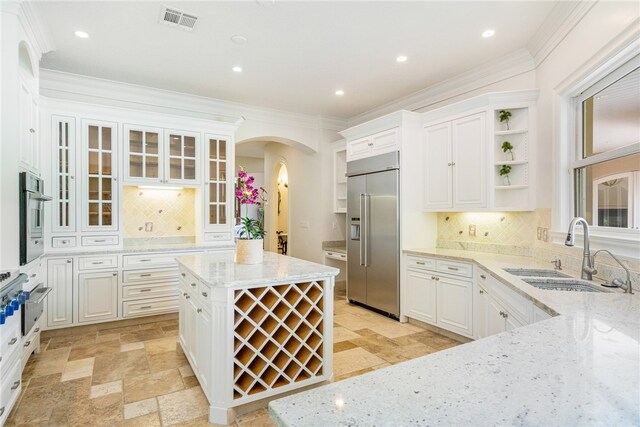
(367, 209)
(363, 234)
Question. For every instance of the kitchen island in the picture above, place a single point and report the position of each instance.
(577, 368)
(252, 332)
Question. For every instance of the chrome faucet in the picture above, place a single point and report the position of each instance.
(587, 265)
(626, 285)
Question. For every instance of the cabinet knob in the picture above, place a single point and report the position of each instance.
(32, 130)
(482, 276)
(26, 344)
(204, 294)
(114, 274)
(193, 285)
(15, 385)
(502, 313)
(72, 177)
(453, 163)
(13, 341)
(68, 261)
(37, 330)
(449, 164)
(199, 310)
(506, 315)
(185, 294)
(481, 291)
(188, 296)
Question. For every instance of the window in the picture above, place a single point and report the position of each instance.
(606, 168)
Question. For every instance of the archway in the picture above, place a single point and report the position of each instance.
(281, 199)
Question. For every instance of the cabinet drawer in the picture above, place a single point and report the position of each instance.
(515, 303)
(11, 387)
(204, 292)
(152, 260)
(63, 242)
(455, 268)
(34, 276)
(151, 290)
(419, 263)
(10, 342)
(150, 276)
(216, 237)
(99, 240)
(97, 262)
(340, 256)
(149, 307)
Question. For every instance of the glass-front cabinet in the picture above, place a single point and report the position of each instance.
(161, 156)
(217, 195)
(64, 171)
(99, 186)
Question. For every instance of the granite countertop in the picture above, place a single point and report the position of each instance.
(335, 246)
(578, 368)
(220, 269)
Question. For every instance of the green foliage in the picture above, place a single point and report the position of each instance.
(251, 229)
(506, 146)
(505, 170)
(504, 116)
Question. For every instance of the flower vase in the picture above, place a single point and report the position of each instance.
(249, 251)
(506, 180)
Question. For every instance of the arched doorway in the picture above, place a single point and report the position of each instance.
(281, 199)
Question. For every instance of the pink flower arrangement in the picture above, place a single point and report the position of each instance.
(247, 194)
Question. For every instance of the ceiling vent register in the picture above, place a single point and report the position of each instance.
(177, 19)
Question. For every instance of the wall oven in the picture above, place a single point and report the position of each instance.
(31, 217)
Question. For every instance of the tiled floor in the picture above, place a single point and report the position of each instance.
(137, 375)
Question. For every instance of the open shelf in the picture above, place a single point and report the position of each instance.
(512, 162)
(511, 132)
(511, 187)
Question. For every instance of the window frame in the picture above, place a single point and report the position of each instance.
(592, 78)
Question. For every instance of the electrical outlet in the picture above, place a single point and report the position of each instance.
(539, 233)
(148, 226)
(545, 234)
(472, 230)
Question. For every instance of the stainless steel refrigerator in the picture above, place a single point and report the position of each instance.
(373, 243)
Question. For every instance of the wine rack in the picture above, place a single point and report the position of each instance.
(278, 336)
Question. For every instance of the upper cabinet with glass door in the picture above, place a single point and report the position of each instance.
(99, 167)
(217, 195)
(158, 156)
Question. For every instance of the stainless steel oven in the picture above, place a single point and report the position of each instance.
(31, 217)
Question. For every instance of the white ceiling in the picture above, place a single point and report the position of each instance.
(298, 53)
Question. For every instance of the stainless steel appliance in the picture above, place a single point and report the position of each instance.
(12, 296)
(31, 217)
(373, 246)
(33, 307)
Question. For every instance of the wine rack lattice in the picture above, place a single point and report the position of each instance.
(278, 336)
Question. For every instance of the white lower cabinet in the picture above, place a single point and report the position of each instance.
(203, 333)
(498, 308)
(440, 293)
(60, 299)
(98, 296)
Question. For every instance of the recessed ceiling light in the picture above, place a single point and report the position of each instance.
(238, 39)
(488, 33)
(81, 34)
(340, 92)
(401, 58)
(237, 69)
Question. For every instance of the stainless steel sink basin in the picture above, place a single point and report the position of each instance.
(535, 272)
(572, 285)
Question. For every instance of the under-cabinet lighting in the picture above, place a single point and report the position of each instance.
(237, 69)
(340, 92)
(401, 58)
(157, 187)
(488, 33)
(81, 34)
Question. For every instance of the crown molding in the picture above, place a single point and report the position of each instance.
(30, 18)
(510, 65)
(558, 24)
(75, 87)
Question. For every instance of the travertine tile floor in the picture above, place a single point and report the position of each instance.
(138, 375)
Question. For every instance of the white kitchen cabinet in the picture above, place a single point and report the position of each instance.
(98, 296)
(192, 329)
(421, 296)
(60, 299)
(539, 314)
(182, 157)
(100, 168)
(378, 143)
(219, 175)
(203, 332)
(64, 176)
(143, 154)
(455, 164)
(439, 292)
(339, 177)
(29, 136)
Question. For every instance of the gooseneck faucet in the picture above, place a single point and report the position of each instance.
(616, 282)
(587, 265)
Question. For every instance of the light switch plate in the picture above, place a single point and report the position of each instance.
(472, 230)
(148, 226)
(545, 234)
(539, 233)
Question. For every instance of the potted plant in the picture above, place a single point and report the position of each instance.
(249, 246)
(507, 147)
(504, 116)
(505, 170)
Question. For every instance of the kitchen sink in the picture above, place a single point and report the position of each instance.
(572, 285)
(535, 272)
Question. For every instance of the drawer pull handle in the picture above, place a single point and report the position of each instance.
(199, 310)
(15, 385)
(37, 330)
(420, 262)
(33, 275)
(183, 274)
(27, 344)
(64, 242)
(97, 262)
(145, 260)
(145, 290)
(188, 296)
(481, 291)
(145, 307)
(453, 268)
(193, 285)
(204, 294)
(185, 294)
(100, 240)
(145, 275)
(68, 261)
(482, 276)
(13, 341)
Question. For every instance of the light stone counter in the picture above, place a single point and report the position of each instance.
(220, 269)
(581, 367)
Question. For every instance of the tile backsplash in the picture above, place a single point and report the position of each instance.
(154, 213)
(516, 233)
